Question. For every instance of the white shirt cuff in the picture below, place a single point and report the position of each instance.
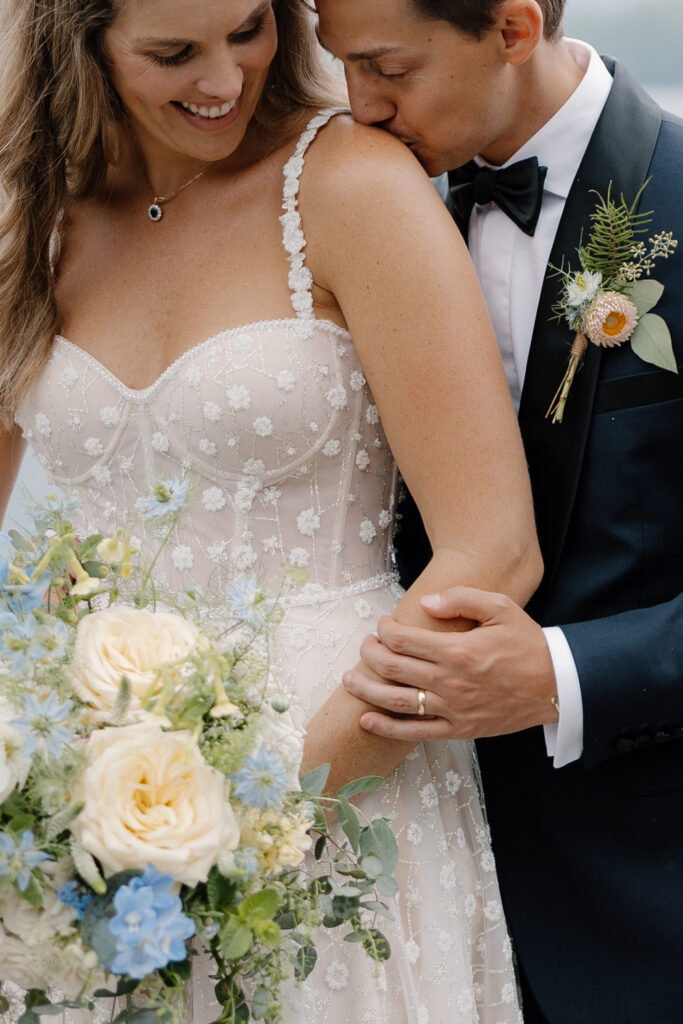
(564, 739)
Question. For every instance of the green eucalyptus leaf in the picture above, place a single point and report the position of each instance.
(378, 840)
(260, 1003)
(348, 819)
(344, 907)
(369, 784)
(314, 782)
(651, 341)
(306, 958)
(29, 1017)
(387, 885)
(354, 937)
(645, 295)
(319, 847)
(376, 945)
(4, 1004)
(372, 866)
(378, 908)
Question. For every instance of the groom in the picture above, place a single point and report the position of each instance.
(589, 840)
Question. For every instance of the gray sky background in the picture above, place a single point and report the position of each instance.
(646, 34)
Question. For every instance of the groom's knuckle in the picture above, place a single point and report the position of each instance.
(404, 703)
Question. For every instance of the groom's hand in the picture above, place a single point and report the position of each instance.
(497, 678)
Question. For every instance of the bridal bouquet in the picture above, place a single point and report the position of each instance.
(150, 808)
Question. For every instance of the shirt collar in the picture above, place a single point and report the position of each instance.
(562, 141)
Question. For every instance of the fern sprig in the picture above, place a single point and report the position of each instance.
(615, 227)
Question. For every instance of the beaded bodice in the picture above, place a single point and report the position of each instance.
(272, 422)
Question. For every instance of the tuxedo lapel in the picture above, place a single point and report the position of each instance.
(620, 152)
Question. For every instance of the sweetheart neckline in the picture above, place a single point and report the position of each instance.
(140, 393)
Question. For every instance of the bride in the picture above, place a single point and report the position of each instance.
(189, 247)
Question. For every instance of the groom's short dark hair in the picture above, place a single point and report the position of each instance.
(476, 16)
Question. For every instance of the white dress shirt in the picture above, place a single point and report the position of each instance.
(511, 267)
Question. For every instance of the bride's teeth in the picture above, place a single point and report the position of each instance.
(209, 112)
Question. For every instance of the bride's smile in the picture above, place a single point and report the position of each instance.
(190, 88)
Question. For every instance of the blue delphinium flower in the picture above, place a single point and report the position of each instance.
(18, 859)
(167, 497)
(73, 895)
(248, 602)
(22, 598)
(41, 724)
(263, 780)
(149, 926)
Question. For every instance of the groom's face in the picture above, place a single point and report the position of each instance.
(438, 89)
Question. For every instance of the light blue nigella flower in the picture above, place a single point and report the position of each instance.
(149, 926)
(248, 602)
(49, 642)
(167, 497)
(73, 895)
(18, 859)
(41, 725)
(50, 509)
(263, 780)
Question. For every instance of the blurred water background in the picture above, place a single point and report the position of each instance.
(647, 35)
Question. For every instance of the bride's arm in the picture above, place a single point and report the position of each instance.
(380, 240)
(12, 448)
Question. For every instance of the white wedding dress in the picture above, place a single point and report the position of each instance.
(276, 427)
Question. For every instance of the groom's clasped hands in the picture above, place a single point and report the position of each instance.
(492, 679)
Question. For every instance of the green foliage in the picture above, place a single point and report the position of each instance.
(651, 341)
(615, 227)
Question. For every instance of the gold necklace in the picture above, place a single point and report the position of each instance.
(155, 209)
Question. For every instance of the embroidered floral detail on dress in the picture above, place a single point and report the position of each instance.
(93, 446)
(367, 530)
(43, 426)
(262, 426)
(337, 397)
(207, 447)
(160, 442)
(212, 412)
(213, 499)
(299, 558)
(372, 415)
(69, 377)
(384, 519)
(308, 522)
(110, 416)
(362, 459)
(183, 559)
(332, 448)
(239, 397)
(357, 380)
(286, 380)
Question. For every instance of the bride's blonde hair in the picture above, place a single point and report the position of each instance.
(60, 120)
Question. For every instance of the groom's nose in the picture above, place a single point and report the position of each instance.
(368, 105)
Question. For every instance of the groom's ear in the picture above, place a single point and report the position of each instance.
(520, 23)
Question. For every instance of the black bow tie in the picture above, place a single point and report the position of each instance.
(517, 190)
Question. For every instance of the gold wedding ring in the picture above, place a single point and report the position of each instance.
(421, 703)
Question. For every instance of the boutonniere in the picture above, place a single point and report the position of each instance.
(608, 301)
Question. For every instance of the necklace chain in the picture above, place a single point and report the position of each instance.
(172, 195)
(155, 209)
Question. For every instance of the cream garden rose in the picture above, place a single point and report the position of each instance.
(130, 642)
(150, 798)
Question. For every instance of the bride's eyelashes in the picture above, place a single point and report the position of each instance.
(182, 56)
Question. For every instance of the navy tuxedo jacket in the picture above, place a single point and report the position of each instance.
(590, 856)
